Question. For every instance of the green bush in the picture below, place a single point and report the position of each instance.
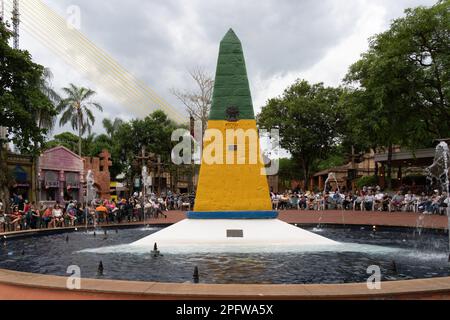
(368, 181)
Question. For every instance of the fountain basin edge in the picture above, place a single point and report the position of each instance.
(20, 285)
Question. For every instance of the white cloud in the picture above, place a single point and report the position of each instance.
(159, 42)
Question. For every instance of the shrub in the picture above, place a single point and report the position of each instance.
(367, 181)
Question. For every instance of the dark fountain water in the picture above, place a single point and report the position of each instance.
(415, 257)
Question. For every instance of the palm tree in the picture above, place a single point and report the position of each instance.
(111, 127)
(77, 110)
(45, 118)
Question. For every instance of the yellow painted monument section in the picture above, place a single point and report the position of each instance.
(231, 174)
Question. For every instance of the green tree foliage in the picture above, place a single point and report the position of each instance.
(76, 108)
(308, 117)
(289, 170)
(335, 158)
(112, 127)
(402, 89)
(153, 132)
(92, 146)
(368, 181)
(21, 101)
(65, 139)
(47, 118)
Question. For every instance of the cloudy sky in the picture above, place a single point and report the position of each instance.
(159, 41)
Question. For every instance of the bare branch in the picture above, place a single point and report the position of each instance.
(198, 101)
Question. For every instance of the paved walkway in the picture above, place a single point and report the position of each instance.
(397, 219)
(23, 289)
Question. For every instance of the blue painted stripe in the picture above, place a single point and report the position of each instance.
(233, 215)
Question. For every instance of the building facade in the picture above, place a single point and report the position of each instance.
(22, 170)
(60, 176)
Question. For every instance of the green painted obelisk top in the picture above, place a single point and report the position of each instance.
(232, 99)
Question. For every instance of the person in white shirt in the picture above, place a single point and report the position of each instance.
(57, 215)
(368, 201)
(379, 196)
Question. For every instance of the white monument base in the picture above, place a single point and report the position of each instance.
(209, 235)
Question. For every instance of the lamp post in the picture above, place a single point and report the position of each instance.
(144, 188)
(89, 188)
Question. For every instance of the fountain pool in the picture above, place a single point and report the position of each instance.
(358, 248)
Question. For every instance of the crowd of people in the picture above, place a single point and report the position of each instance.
(367, 199)
(20, 214)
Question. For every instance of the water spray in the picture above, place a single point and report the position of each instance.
(439, 171)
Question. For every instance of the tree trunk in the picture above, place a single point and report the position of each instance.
(306, 174)
(389, 167)
(79, 135)
(37, 189)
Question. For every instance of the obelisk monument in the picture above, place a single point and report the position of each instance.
(235, 187)
(233, 210)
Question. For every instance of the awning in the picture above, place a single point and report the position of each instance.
(421, 157)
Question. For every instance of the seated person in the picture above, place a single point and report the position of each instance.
(16, 218)
(338, 198)
(34, 217)
(443, 204)
(434, 203)
(347, 201)
(284, 200)
(303, 202)
(47, 217)
(71, 215)
(57, 216)
(386, 201)
(397, 201)
(358, 199)
(409, 200)
(379, 196)
(311, 202)
(369, 200)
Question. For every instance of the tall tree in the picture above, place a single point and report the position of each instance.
(65, 139)
(112, 127)
(401, 84)
(20, 101)
(307, 117)
(76, 108)
(44, 118)
(153, 133)
(198, 101)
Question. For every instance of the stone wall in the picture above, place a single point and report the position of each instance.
(100, 167)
